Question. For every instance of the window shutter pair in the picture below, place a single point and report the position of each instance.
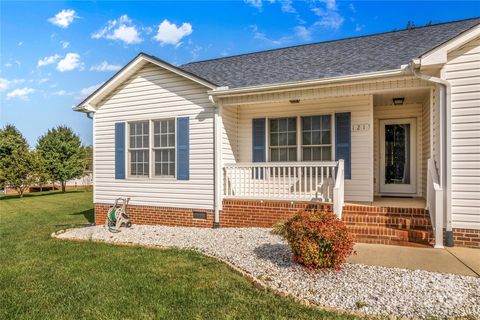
(342, 140)
(182, 149)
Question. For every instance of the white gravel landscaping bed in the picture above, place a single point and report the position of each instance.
(368, 289)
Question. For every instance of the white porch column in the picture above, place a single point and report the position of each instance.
(217, 164)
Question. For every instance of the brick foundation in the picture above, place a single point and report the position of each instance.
(256, 213)
(382, 225)
(158, 215)
(466, 238)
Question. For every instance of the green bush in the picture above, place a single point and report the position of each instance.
(318, 239)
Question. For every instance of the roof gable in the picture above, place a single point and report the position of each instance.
(89, 103)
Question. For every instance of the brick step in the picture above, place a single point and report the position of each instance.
(408, 223)
(361, 239)
(403, 212)
(385, 233)
(387, 214)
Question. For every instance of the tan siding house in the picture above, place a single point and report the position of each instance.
(388, 139)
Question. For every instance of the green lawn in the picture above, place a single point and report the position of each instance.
(45, 278)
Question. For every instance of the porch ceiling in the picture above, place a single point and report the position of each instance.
(411, 97)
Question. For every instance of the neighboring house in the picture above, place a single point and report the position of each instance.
(377, 128)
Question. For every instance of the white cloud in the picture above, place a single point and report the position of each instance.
(43, 80)
(105, 66)
(121, 29)
(358, 27)
(254, 3)
(329, 17)
(303, 33)
(48, 60)
(70, 62)
(3, 84)
(62, 93)
(64, 18)
(352, 7)
(285, 5)
(8, 65)
(21, 93)
(65, 44)
(85, 92)
(169, 33)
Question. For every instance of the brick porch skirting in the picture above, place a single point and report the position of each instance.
(381, 225)
(466, 237)
(158, 215)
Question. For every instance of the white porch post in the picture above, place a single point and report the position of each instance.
(217, 164)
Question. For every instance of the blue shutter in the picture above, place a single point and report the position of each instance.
(258, 140)
(183, 149)
(258, 144)
(343, 141)
(120, 150)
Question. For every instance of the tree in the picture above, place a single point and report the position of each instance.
(63, 153)
(16, 160)
(40, 173)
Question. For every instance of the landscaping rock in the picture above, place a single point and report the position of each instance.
(368, 289)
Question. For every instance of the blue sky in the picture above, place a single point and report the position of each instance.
(53, 54)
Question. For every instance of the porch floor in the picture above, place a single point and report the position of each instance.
(393, 202)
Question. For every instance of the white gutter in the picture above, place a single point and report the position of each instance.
(445, 142)
(225, 91)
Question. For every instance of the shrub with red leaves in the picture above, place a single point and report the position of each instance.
(318, 239)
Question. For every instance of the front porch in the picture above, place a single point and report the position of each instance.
(352, 149)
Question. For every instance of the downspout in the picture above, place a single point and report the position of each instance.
(217, 154)
(445, 179)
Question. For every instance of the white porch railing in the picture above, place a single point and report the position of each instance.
(435, 203)
(306, 181)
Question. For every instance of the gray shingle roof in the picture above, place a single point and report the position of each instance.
(377, 52)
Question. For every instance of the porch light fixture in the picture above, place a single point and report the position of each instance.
(398, 101)
(294, 100)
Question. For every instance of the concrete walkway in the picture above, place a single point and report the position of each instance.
(462, 261)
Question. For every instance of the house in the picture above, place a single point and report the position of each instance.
(382, 129)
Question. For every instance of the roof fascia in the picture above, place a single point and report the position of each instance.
(225, 91)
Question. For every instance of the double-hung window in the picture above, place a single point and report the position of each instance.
(164, 147)
(283, 139)
(316, 138)
(138, 148)
(151, 148)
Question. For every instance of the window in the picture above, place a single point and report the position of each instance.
(139, 148)
(164, 147)
(316, 138)
(283, 139)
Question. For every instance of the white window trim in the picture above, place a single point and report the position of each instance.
(299, 134)
(281, 147)
(151, 166)
(153, 148)
(332, 138)
(127, 143)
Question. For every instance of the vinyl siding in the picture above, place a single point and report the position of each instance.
(229, 134)
(155, 93)
(425, 136)
(463, 72)
(400, 112)
(360, 187)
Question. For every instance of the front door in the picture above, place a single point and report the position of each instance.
(397, 156)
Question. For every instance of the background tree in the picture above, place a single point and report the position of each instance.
(16, 160)
(40, 173)
(63, 153)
